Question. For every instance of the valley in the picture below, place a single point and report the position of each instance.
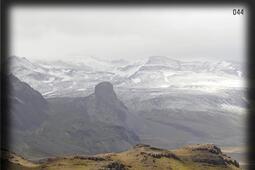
(96, 107)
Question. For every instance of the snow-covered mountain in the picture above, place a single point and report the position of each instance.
(77, 76)
(163, 72)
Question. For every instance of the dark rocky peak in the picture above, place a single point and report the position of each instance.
(104, 91)
(104, 105)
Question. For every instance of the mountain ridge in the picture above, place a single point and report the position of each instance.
(78, 75)
(141, 156)
(28, 108)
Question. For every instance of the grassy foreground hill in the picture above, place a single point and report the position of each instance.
(140, 157)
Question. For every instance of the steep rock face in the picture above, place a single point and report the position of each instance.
(104, 91)
(104, 106)
(28, 109)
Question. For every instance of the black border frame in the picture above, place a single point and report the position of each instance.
(250, 6)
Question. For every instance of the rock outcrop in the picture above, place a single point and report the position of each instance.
(141, 157)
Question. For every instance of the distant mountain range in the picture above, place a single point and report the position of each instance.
(77, 77)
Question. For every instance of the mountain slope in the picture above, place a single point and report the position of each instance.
(192, 157)
(86, 125)
(28, 108)
(192, 117)
(163, 72)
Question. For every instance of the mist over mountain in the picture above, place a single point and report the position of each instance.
(96, 106)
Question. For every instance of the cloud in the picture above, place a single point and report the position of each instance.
(127, 32)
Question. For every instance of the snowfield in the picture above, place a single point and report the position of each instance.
(62, 78)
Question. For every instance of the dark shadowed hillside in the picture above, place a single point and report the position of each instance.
(28, 108)
(88, 125)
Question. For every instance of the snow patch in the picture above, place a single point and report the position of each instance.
(233, 108)
(136, 80)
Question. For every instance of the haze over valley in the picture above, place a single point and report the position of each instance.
(127, 87)
(94, 106)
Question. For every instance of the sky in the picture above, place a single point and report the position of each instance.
(133, 32)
